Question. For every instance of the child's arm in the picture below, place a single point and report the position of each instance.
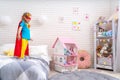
(31, 39)
(19, 31)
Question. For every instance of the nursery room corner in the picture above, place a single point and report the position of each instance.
(59, 40)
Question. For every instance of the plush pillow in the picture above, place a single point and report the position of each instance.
(9, 52)
(40, 51)
(6, 48)
(37, 51)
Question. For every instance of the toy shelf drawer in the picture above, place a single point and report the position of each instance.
(65, 68)
(105, 61)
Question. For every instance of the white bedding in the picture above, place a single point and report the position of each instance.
(19, 69)
(37, 64)
(40, 51)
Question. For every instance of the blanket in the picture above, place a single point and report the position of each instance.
(19, 69)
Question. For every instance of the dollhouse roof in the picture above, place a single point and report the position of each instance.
(64, 40)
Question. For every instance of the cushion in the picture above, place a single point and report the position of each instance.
(37, 51)
(40, 51)
(84, 59)
(9, 52)
(6, 48)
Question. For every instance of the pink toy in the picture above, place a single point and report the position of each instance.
(65, 54)
(84, 59)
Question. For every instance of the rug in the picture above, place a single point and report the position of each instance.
(82, 75)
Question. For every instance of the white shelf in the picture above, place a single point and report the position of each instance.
(100, 63)
(104, 66)
(104, 37)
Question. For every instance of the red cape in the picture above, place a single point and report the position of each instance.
(18, 45)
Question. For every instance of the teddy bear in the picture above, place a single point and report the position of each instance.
(104, 51)
(98, 49)
(109, 49)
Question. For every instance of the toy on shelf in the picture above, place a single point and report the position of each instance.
(65, 54)
(104, 27)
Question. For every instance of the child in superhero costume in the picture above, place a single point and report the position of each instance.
(23, 36)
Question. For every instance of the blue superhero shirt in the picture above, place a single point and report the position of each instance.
(25, 30)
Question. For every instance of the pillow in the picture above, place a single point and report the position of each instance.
(37, 51)
(6, 47)
(40, 51)
(9, 52)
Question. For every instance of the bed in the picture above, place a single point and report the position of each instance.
(34, 67)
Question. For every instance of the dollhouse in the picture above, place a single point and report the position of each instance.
(65, 54)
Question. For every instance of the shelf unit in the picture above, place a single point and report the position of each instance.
(105, 46)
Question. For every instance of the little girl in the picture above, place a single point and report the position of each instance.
(23, 36)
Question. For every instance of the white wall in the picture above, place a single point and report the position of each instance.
(114, 4)
(53, 10)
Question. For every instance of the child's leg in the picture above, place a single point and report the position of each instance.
(27, 50)
(24, 46)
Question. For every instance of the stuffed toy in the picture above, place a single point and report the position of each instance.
(109, 49)
(104, 48)
(108, 33)
(104, 51)
(103, 24)
(101, 20)
(100, 31)
(98, 49)
(9, 52)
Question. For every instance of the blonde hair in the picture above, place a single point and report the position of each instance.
(26, 14)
